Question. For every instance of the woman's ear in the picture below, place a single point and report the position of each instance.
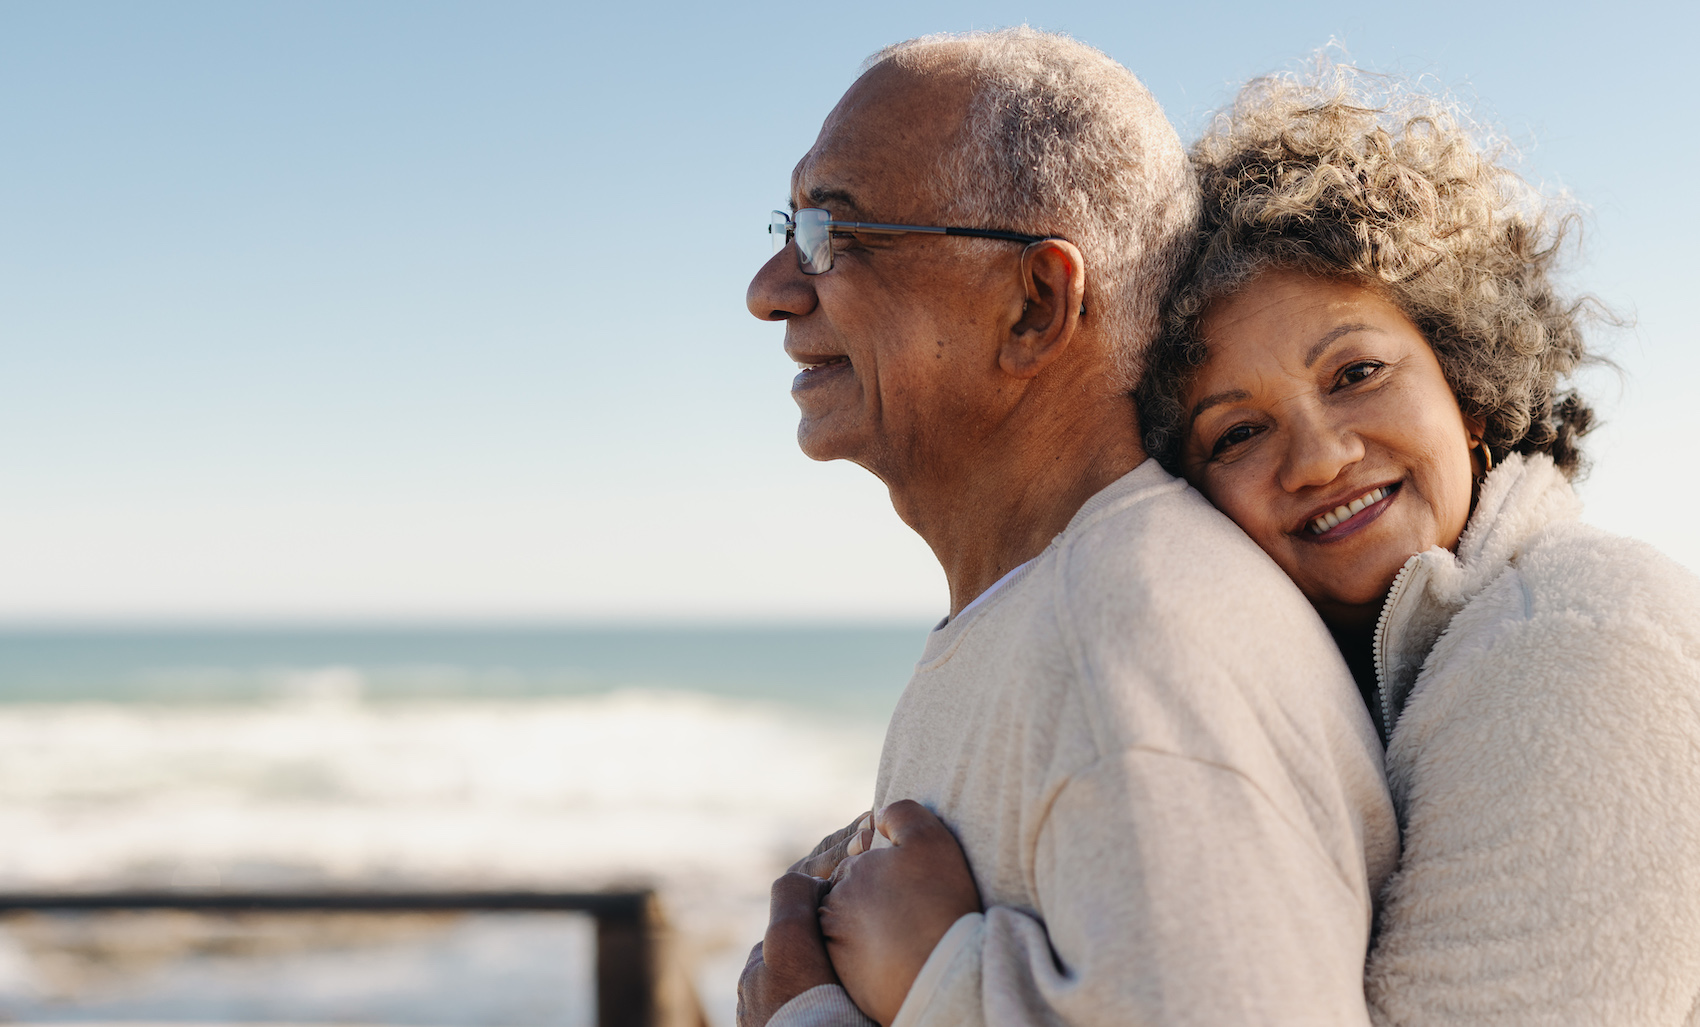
(1481, 458)
(1053, 275)
(1476, 427)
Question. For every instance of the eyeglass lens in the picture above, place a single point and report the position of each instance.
(814, 239)
(812, 233)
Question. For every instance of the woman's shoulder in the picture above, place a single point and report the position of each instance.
(1584, 635)
(1547, 774)
(1575, 572)
(1528, 563)
(1573, 611)
(1562, 706)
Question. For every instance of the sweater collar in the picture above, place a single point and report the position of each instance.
(1517, 501)
(1129, 488)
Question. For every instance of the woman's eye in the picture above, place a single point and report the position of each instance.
(1361, 371)
(1232, 437)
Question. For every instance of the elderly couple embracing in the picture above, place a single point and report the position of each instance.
(1290, 690)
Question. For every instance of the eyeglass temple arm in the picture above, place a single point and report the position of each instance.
(978, 233)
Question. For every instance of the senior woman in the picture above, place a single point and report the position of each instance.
(1366, 371)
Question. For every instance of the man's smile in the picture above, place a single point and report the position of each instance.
(818, 371)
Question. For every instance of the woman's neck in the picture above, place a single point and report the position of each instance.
(1357, 645)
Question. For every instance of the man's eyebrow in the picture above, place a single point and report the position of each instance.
(1216, 400)
(1334, 335)
(822, 195)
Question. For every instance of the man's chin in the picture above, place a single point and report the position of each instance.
(821, 441)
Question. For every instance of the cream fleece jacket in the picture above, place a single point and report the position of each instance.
(1544, 684)
(1163, 777)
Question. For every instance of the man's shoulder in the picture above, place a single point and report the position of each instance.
(1152, 608)
(1187, 639)
(1173, 616)
(1151, 544)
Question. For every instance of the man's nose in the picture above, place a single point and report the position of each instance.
(780, 290)
(1317, 452)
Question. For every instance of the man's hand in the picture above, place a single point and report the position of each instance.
(889, 907)
(792, 958)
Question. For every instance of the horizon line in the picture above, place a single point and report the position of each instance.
(411, 624)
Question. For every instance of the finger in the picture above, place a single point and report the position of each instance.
(907, 820)
(839, 896)
(755, 957)
(835, 840)
(839, 873)
(794, 899)
(793, 949)
(823, 862)
(750, 988)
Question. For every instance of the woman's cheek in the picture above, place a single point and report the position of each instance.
(1245, 505)
(1457, 486)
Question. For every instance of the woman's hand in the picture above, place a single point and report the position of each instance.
(825, 857)
(792, 957)
(889, 906)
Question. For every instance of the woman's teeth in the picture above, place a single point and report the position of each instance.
(825, 363)
(1340, 513)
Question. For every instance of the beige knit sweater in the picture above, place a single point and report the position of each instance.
(1164, 780)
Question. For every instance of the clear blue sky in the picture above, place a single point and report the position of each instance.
(316, 310)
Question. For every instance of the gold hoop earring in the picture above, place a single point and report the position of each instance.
(1476, 442)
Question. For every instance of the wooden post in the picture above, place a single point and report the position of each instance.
(625, 966)
(640, 981)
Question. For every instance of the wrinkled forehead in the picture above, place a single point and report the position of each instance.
(879, 154)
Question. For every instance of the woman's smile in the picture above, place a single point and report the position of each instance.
(1348, 518)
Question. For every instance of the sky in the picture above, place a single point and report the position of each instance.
(415, 312)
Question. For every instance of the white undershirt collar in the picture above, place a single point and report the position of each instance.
(987, 594)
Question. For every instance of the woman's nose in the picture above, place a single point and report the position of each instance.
(1317, 455)
(780, 290)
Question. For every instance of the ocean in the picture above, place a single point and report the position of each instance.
(698, 761)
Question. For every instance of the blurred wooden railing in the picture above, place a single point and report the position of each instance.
(639, 982)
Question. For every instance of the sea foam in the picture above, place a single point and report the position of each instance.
(704, 798)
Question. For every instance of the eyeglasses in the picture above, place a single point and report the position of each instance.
(813, 228)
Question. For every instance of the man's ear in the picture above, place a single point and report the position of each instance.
(1054, 278)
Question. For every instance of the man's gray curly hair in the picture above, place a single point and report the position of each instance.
(1062, 140)
(1348, 176)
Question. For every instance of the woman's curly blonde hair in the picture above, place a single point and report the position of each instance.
(1346, 175)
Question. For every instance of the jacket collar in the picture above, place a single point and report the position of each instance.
(1523, 496)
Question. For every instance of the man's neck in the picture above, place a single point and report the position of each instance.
(1002, 505)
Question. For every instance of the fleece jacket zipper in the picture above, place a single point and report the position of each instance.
(1383, 676)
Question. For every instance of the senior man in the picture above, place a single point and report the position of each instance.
(1161, 775)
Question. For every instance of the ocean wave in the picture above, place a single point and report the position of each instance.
(704, 798)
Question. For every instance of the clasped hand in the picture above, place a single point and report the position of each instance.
(861, 916)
